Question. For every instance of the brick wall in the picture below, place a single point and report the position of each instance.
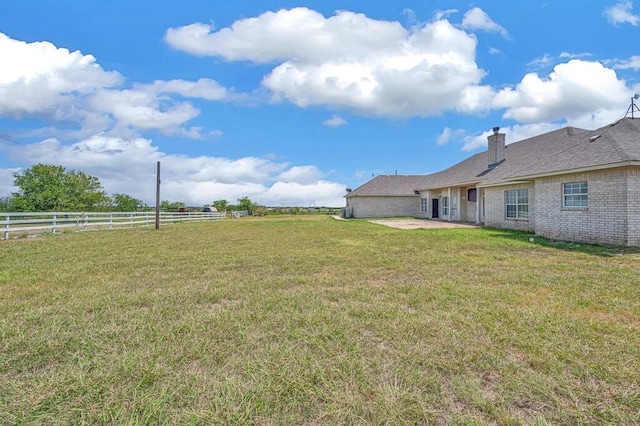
(612, 215)
(633, 203)
(384, 206)
(495, 209)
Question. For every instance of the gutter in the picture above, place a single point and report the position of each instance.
(568, 171)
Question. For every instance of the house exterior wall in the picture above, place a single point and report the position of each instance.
(383, 206)
(461, 208)
(425, 195)
(612, 215)
(494, 209)
(468, 208)
(440, 194)
(633, 203)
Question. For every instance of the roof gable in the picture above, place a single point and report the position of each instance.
(390, 186)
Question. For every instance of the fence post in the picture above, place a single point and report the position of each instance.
(110, 220)
(53, 224)
(6, 229)
(85, 223)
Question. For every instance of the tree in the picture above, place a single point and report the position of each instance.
(126, 203)
(45, 187)
(6, 204)
(245, 203)
(171, 205)
(220, 205)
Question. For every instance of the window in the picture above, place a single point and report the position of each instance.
(424, 205)
(472, 195)
(445, 206)
(517, 204)
(574, 194)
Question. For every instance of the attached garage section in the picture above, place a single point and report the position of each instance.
(383, 206)
(386, 196)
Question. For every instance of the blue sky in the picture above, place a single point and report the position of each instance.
(290, 103)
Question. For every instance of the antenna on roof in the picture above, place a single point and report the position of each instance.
(633, 107)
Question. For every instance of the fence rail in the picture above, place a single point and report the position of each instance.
(28, 223)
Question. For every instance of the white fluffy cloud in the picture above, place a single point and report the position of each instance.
(348, 60)
(129, 165)
(141, 109)
(303, 175)
(373, 67)
(572, 90)
(621, 13)
(471, 142)
(42, 78)
(203, 88)
(60, 85)
(477, 19)
(632, 63)
(334, 121)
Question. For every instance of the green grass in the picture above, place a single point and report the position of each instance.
(310, 320)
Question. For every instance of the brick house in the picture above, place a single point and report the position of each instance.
(569, 184)
(386, 196)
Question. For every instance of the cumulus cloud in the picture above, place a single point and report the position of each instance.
(448, 134)
(203, 88)
(127, 165)
(334, 121)
(632, 63)
(572, 90)
(518, 132)
(6, 181)
(621, 13)
(477, 19)
(71, 87)
(42, 78)
(304, 175)
(321, 193)
(142, 109)
(348, 60)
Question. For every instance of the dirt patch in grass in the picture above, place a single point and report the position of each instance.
(421, 224)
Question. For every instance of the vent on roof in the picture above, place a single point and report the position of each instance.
(594, 138)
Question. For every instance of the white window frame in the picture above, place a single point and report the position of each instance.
(473, 191)
(424, 205)
(520, 209)
(444, 206)
(575, 195)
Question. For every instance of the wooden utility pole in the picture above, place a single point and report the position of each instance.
(158, 196)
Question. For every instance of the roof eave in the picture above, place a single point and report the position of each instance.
(469, 183)
(382, 195)
(568, 171)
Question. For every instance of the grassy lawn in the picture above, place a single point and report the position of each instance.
(310, 320)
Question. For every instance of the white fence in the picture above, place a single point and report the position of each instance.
(37, 223)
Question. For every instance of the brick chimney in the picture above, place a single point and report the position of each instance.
(496, 147)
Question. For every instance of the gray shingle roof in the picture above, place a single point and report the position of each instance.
(559, 151)
(390, 186)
